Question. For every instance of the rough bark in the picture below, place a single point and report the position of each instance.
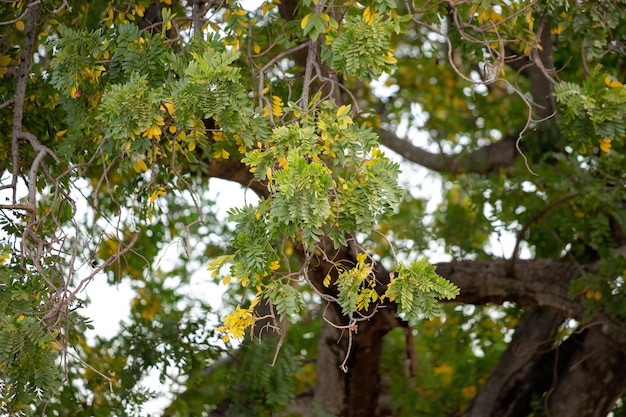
(353, 393)
(590, 377)
(537, 282)
(520, 372)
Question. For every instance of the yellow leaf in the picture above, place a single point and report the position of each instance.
(19, 25)
(156, 193)
(557, 30)
(605, 144)
(256, 48)
(140, 166)
(277, 109)
(445, 372)
(367, 14)
(265, 7)
(390, 59)
(305, 20)
(361, 257)
(4, 258)
(597, 295)
(60, 133)
(327, 281)
(168, 2)
(227, 280)
(469, 392)
(172, 128)
(529, 20)
(191, 146)
(153, 132)
(225, 154)
(343, 110)
(612, 83)
(169, 107)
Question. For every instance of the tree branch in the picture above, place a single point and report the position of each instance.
(538, 68)
(536, 282)
(20, 89)
(487, 159)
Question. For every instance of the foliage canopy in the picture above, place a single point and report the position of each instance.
(115, 116)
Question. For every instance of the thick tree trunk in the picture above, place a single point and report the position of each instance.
(589, 378)
(521, 371)
(353, 393)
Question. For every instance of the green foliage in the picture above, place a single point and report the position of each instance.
(287, 299)
(129, 109)
(271, 389)
(416, 289)
(362, 48)
(135, 53)
(593, 111)
(28, 370)
(356, 288)
(134, 107)
(327, 175)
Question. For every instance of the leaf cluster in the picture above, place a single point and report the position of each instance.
(272, 387)
(593, 110)
(363, 48)
(416, 289)
(28, 372)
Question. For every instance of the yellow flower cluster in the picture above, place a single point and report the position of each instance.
(236, 323)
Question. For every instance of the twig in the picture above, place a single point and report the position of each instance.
(526, 225)
(20, 89)
(310, 59)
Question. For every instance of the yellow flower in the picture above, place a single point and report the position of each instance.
(236, 323)
(153, 132)
(605, 144)
(275, 265)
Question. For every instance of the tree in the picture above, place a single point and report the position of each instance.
(117, 114)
